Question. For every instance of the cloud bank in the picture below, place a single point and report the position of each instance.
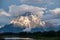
(19, 10)
(55, 11)
(37, 1)
(4, 13)
(52, 16)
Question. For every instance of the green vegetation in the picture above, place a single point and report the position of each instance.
(51, 35)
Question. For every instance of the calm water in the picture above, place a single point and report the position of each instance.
(17, 38)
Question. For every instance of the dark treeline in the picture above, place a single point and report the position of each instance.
(32, 35)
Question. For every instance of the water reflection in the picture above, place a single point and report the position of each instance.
(17, 38)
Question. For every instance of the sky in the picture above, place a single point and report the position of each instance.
(47, 10)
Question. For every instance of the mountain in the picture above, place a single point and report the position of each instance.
(11, 28)
(16, 29)
(28, 23)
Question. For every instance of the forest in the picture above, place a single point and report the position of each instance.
(35, 35)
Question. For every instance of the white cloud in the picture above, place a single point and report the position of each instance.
(31, 1)
(55, 11)
(3, 13)
(37, 1)
(27, 30)
(1, 26)
(23, 1)
(19, 10)
(4, 17)
(52, 16)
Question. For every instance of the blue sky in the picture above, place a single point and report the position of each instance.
(50, 14)
(4, 4)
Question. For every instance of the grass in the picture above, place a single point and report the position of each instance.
(48, 38)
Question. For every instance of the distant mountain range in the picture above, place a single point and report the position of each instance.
(27, 23)
(15, 29)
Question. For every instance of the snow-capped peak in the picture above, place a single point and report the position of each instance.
(28, 21)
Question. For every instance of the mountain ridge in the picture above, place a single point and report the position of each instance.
(28, 22)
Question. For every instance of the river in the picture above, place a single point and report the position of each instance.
(17, 38)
